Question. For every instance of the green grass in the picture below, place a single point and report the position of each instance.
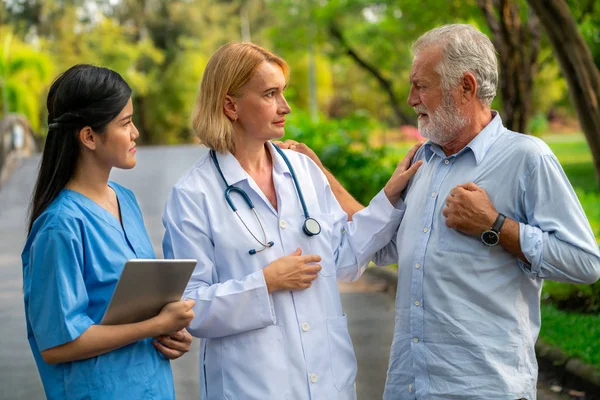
(574, 155)
(576, 334)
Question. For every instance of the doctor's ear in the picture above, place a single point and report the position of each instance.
(88, 138)
(230, 108)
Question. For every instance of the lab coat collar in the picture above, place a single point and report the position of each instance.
(234, 173)
(231, 168)
(279, 165)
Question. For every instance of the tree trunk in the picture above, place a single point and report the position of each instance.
(518, 45)
(578, 68)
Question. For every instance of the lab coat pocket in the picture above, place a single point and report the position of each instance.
(321, 244)
(341, 353)
(255, 365)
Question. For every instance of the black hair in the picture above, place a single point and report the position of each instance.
(84, 95)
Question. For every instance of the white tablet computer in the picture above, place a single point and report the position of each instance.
(145, 287)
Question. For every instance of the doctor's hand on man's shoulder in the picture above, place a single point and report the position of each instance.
(404, 171)
(292, 272)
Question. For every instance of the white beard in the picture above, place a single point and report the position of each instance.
(444, 125)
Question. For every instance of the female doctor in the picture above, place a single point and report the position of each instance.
(271, 242)
(83, 228)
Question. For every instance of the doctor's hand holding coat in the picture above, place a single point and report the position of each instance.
(271, 242)
(83, 228)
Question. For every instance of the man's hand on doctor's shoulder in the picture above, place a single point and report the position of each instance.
(292, 272)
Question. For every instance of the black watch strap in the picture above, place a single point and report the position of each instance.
(498, 223)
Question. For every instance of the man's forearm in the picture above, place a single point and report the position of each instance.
(348, 203)
(509, 239)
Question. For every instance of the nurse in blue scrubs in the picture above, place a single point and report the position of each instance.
(82, 230)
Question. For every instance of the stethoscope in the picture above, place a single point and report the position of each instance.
(310, 227)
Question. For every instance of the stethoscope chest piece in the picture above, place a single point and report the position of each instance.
(311, 227)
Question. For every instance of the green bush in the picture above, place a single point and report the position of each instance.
(580, 298)
(538, 125)
(343, 147)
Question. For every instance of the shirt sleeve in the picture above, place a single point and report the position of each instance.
(370, 231)
(222, 308)
(58, 298)
(556, 239)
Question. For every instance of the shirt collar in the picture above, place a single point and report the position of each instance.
(480, 144)
(233, 171)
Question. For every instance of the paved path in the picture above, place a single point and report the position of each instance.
(370, 312)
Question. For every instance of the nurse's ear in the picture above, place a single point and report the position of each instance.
(88, 138)
(230, 108)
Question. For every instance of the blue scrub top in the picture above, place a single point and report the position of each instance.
(72, 261)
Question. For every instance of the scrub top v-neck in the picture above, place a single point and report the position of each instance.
(72, 261)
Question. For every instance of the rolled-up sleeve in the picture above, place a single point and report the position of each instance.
(556, 239)
(222, 308)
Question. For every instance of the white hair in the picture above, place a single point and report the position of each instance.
(465, 49)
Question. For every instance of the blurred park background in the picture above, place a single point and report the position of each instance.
(350, 62)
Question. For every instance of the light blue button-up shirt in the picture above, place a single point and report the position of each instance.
(468, 315)
(287, 344)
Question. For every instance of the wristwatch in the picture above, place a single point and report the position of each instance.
(491, 237)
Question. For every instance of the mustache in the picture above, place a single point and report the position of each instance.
(420, 110)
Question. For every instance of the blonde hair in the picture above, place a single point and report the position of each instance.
(227, 73)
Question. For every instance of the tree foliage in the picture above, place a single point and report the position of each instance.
(24, 73)
(346, 56)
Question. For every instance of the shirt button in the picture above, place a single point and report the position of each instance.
(305, 327)
(314, 378)
(283, 224)
(425, 230)
(446, 162)
(416, 340)
(417, 303)
(433, 194)
(418, 266)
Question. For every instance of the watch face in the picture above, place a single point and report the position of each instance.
(490, 238)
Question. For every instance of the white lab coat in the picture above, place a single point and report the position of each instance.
(287, 344)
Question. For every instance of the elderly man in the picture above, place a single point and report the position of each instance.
(489, 215)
